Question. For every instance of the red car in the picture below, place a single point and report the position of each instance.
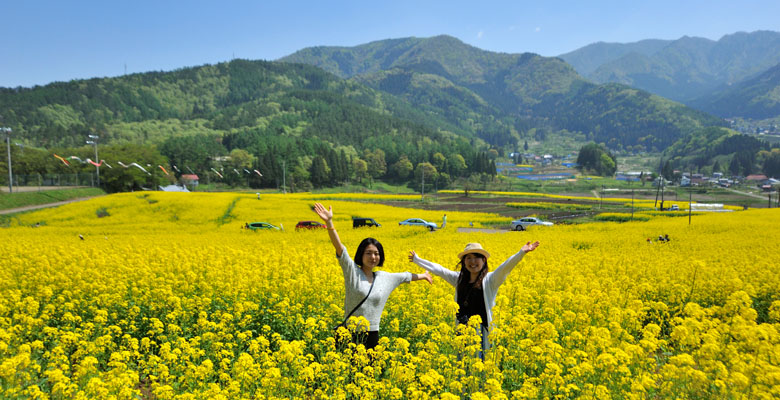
(309, 225)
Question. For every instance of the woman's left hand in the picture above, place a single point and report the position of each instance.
(427, 276)
(530, 246)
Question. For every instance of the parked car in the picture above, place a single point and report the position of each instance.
(419, 222)
(523, 223)
(674, 207)
(261, 226)
(309, 225)
(358, 222)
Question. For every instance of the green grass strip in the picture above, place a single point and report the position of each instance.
(23, 199)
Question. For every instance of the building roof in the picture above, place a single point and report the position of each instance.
(191, 177)
(755, 177)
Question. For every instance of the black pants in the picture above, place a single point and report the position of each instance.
(369, 339)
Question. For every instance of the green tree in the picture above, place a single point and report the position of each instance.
(431, 174)
(598, 159)
(377, 166)
(360, 167)
(771, 165)
(667, 171)
(119, 179)
(457, 164)
(439, 161)
(402, 168)
(240, 159)
(319, 173)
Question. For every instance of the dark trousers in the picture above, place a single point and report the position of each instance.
(369, 339)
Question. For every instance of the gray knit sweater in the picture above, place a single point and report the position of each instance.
(356, 287)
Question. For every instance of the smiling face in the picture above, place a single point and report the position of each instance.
(474, 263)
(371, 256)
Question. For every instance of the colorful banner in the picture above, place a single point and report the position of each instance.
(64, 161)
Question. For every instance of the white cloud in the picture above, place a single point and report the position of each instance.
(480, 34)
(538, 29)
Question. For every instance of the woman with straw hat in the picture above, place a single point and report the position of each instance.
(475, 287)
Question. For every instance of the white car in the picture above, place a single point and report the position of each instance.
(523, 223)
(419, 222)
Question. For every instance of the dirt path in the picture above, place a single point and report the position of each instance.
(467, 230)
(39, 206)
(19, 189)
(745, 193)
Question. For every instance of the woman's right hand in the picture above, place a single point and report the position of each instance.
(411, 255)
(326, 215)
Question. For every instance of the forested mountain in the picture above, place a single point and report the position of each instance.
(757, 98)
(320, 128)
(211, 99)
(722, 150)
(683, 69)
(408, 106)
(507, 95)
(589, 58)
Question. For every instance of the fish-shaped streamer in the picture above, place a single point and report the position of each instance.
(257, 172)
(217, 172)
(134, 165)
(64, 161)
(163, 170)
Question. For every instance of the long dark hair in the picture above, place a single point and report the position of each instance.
(464, 286)
(362, 249)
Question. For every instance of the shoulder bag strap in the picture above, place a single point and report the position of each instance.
(361, 302)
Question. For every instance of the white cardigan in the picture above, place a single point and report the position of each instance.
(490, 282)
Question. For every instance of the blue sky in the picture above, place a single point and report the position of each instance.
(45, 41)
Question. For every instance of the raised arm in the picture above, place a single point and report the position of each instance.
(327, 217)
(495, 279)
(450, 276)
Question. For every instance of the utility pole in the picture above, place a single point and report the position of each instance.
(690, 196)
(601, 198)
(284, 177)
(93, 141)
(8, 142)
(422, 188)
(658, 187)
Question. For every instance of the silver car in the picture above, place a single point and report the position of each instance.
(419, 222)
(523, 223)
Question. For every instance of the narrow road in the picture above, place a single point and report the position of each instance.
(746, 193)
(39, 206)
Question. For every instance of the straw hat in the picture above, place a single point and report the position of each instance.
(474, 248)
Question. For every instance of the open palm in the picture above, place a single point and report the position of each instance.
(530, 246)
(325, 214)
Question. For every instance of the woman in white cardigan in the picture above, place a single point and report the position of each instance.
(475, 287)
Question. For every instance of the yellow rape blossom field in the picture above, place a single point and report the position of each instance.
(165, 297)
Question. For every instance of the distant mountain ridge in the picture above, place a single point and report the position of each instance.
(435, 89)
(683, 69)
(513, 92)
(589, 58)
(756, 98)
